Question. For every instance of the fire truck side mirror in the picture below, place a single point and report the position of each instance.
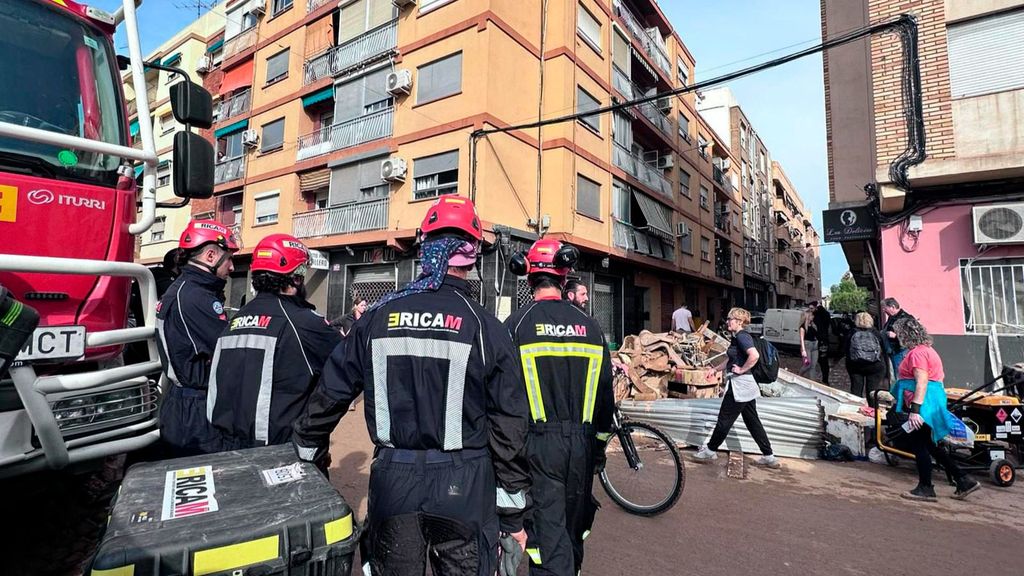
(191, 104)
(192, 166)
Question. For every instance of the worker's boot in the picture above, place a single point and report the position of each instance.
(966, 486)
(922, 493)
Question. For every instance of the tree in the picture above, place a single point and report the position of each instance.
(847, 297)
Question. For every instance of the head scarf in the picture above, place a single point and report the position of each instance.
(434, 256)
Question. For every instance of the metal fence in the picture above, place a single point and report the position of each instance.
(345, 134)
(342, 219)
(638, 31)
(338, 59)
(229, 170)
(649, 175)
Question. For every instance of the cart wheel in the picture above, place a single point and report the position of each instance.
(891, 459)
(1002, 473)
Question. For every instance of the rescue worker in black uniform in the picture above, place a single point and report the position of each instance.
(446, 409)
(268, 361)
(568, 378)
(189, 319)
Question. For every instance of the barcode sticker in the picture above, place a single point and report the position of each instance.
(283, 475)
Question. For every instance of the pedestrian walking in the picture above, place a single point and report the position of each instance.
(865, 359)
(568, 375)
(682, 319)
(920, 393)
(189, 319)
(446, 408)
(809, 345)
(741, 394)
(359, 305)
(895, 349)
(823, 326)
(270, 357)
(576, 293)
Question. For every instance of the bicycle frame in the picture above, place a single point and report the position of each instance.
(628, 447)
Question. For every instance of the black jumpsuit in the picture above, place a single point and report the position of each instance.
(567, 374)
(447, 411)
(265, 366)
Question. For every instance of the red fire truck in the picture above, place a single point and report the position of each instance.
(70, 209)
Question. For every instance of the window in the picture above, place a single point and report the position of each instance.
(358, 182)
(230, 147)
(281, 6)
(435, 175)
(273, 136)
(428, 5)
(163, 174)
(277, 66)
(584, 103)
(588, 197)
(167, 123)
(217, 56)
(239, 19)
(682, 72)
(743, 136)
(361, 96)
(156, 231)
(588, 27)
(361, 16)
(439, 78)
(702, 147)
(266, 208)
(684, 128)
(320, 200)
(686, 239)
(705, 249)
(979, 51)
(684, 183)
(993, 294)
(704, 198)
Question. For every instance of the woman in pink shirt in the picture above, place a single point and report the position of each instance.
(919, 391)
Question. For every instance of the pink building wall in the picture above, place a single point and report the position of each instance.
(926, 281)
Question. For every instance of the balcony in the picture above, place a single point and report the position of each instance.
(651, 48)
(721, 220)
(237, 104)
(622, 83)
(312, 5)
(132, 107)
(229, 170)
(342, 219)
(650, 110)
(346, 134)
(647, 174)
(633, 239)
(240, 43)
(338, 59)
(719, 175)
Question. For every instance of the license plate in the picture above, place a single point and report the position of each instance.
(54, 343)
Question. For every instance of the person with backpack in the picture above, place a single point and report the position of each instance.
(865, 361)
(744, 362)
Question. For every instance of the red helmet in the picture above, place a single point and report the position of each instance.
(546, 256)
(201, 232)
(451, 212)
(280, 253)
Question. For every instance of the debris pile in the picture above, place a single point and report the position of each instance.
(651, 366)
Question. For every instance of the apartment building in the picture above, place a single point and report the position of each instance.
(185, 51)
(950, 247)
(340, 123)
(797, 246)
(724, 114)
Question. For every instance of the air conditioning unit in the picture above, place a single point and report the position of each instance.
(204, 64)
(251, 138)
(726, 164)
(667, 161)
(258, 10)
(650, 156)
(999, 223)
(682, 231)
(393, 170)
(664, 104)
(403, 3)
(399, 82)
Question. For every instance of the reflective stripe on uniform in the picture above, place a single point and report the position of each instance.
(603, 436)
(592, 353)
(585, 534)
(265, 344)
(534, 554)
(515, 500)
(167, 351)
(457, 355)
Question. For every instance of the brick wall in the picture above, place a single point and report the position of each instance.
(828, 106)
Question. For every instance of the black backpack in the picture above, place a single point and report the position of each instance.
(766, 370)
(864, 347)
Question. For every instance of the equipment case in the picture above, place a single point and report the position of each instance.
(244, 513)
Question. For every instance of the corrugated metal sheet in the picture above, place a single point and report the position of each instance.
(795, 426)
(983, 57)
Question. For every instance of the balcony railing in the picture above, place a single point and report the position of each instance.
(237, 104)
(628, 237)
(337, 59)
(229, 170)
(240, 43)
(345, 134)
(720, 177)
(312, 5)
(647, 174)
(638, 31)
(721, 220)
(622, 83)
(649, 109)
(359, 217)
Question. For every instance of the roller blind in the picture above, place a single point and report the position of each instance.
(620, 51)
(986, 55)
(439, 78)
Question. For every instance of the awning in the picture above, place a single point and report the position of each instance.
(658, 219)
(319, 96)
(215, 46)
(231, 128)
(139, 169)
(172, 60)
(133, 128)
(315, 180)
(237, 77)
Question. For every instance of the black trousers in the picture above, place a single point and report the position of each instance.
(924, 449)
(562, 467)
(823, 363)
(864, 379)
(184, 428)
(731, 409)
(441, 502)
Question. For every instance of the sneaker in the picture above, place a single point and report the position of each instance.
(769, 461)
(705, 455)
(922, 493)
(966, 487)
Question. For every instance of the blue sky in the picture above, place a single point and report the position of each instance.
(786, 105)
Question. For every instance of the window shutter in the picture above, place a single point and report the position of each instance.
(277, 65)
(983, 57)
(344, 185)
(375, 86)
(440, 78)
(348, 100)
(620, 51)
(266, 206)
(436, 164)
(353, 21)
(380, 12)
(588, 25)
(588, 197)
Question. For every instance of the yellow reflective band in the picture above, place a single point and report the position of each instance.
(338, 530)
(534, 555)
(122, 571)
(592, 353)
(603, 436)
(533, 388)
(235, 556)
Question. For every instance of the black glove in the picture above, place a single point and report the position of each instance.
(600, 458)
(511, 555)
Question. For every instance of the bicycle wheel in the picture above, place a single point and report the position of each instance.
(654, 485)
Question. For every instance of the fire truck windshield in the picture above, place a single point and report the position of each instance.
(60, 75)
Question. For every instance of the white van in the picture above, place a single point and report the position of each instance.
(782, 327)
